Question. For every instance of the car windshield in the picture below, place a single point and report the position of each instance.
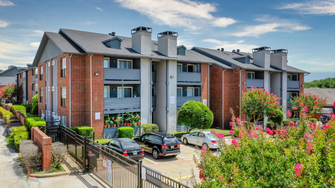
(210, 136)
(172, 140)
(131, 144)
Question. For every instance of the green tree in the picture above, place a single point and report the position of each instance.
(195, 115)
(277, 117)
(34, 110)
(312, 102)
(322, 83)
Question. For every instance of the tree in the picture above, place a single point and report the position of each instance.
(34, 110)
(257, 102)
(323, 83)
(277, 117)
(195, 115)
(309, 103)
(7, 91)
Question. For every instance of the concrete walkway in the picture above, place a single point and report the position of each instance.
(13, 176)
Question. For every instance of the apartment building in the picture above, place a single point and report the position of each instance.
(7, 76)
(264, 68)
(29, 82)
(85, 77)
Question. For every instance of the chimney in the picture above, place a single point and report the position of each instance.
(261, 56)
(167, 43)
(141, 40)
(279, 58)
(238, 50)
(222, 49)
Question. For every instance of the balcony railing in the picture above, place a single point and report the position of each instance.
(188, 77)
(293, 85)
(182, 100)
(255, 83)
(122, 74)
(117, 104)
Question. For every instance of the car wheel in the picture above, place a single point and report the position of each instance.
(185, 141)
(155, 154)
(205, 146)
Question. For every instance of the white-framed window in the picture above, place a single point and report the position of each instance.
(292, 77)
(106, 62)
(179, 67)
(106, 92)
(179, 92)
(126, 92)
(190, 91)
(63, 96)
(124, 64)
(41, 73)
(63, 71)
(250, 75)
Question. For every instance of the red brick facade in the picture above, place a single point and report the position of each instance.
(204, 82)
(44, 143)
(29, 86)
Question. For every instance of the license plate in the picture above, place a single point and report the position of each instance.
(134, 153)
(172, 147)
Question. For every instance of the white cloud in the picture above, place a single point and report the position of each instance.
(177, 13)
(35, 44)
(98, 8)
(6, 3)
(231, 46)
(87, 23)
(271, 25)
(321, 7)
(3, 23)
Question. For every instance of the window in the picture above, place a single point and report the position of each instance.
(63, 71)
(41, 95)
(125, 64)
(250, 75)
(292, 77)
(190, 91)
(127, 92)
(63, 96)
(36, 73)
(179, 92)
(153, 69)
(197, 92)
(179, 68)
(106, 92)
(190, 68)
(195, 134)
(41, 72)
(106, 62)
(290, 95)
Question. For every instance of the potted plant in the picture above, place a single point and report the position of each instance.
(135, 94)
(136, 119)
(107, 122)
(118, 120)
(124, 121)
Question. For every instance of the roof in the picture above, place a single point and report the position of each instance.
(328, 93)
(26, 70)
(20, 69)
(228, 58)
(295, 70)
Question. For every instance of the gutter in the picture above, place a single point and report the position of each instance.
(150, 92)
(167, 95)
(91, 88)
(240, 93)
(70, 91)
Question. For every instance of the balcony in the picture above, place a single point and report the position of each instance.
(122, 74)
(120, 105)
(293, 85)
(255, 83)
(189, 77)
(154, 76)
(182, 100)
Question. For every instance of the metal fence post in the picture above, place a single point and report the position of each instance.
(139, 174)
(84, 154)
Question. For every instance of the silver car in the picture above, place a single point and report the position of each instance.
(201, 138)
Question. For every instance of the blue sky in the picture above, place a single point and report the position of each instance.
(306, 28)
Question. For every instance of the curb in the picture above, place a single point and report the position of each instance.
(67, 172)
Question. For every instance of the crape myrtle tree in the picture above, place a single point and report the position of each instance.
(309, 103)
(195, 114)
(8, 91)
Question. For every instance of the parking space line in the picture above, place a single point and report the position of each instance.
(181, 157)
(151, 161)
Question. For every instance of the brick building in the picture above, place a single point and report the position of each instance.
(28, 80)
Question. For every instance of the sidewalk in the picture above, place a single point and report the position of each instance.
(12, 175)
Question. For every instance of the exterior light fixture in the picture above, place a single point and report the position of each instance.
(171, 76)
(302, 85)
(96, 74)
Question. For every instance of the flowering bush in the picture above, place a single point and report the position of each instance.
(308, 103)
(301, 155)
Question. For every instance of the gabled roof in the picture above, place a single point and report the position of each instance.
(291, 69)
(328, 93)
(20, 69)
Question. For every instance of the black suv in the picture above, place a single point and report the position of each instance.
(159, 144)
(324, 118)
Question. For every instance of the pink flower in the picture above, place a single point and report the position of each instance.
(288, 114)
(262, 132)
(258, 128)
(298, 169)
(203, 148)
(253, 134)
(305, 108)
(332, 140)
(237, 119)
(269, 131)
(334, 103)
(325, 127)
(234, 142)
(231, 132)
(294, 108)
(220, 177)
(312, 125)
(292, 123)
(232, 123)
(201, 176)
(220, 135)
(310, 147)
(301, 104)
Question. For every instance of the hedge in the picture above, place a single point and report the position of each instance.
(19, 108)
(20, 129)
(83, 131)
(5, 113)
(20, 136)
(34, 122)
(147, 128)
(28, 107)
(126, 132)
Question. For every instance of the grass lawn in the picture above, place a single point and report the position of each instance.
(103, 141)
(180, 134)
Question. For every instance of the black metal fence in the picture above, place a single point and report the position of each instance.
(111, 167)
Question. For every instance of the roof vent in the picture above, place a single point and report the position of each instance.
(167, 33)
(261, 49)
(222, 49)
(233, 50)
(218, 49)
(112, 33)
(238, 50)
(279, 51)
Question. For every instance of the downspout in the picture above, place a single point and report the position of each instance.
(223, 98)
(240, 93)
(150, 92)
(91, 89)
(70, 91)
(167, 94)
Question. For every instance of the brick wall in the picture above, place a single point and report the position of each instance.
(302, 82)
(41, 84)
(63, 82)
(44, 143)
(29, 85)
(19, 117)
(204, 82)
(216, 94)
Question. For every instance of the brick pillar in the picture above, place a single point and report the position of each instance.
(44, 143)
(204, 83)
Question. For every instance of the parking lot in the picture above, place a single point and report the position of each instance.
(182, 167)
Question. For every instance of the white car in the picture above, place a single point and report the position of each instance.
(201, 138)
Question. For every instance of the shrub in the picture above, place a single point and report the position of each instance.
(277, 116)
(20, 129)
(83, 131)
(195, 114)
(59, 153)
(126, 132)
(286, 122)
(29, 122)
(313, 120)
(19, 108)
(30, 154)
(309, 103)
(28, 107)
(147, 128)
(34, 109)
(5, 113)
(20, 136)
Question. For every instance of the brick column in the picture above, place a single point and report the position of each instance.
(44, 143)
